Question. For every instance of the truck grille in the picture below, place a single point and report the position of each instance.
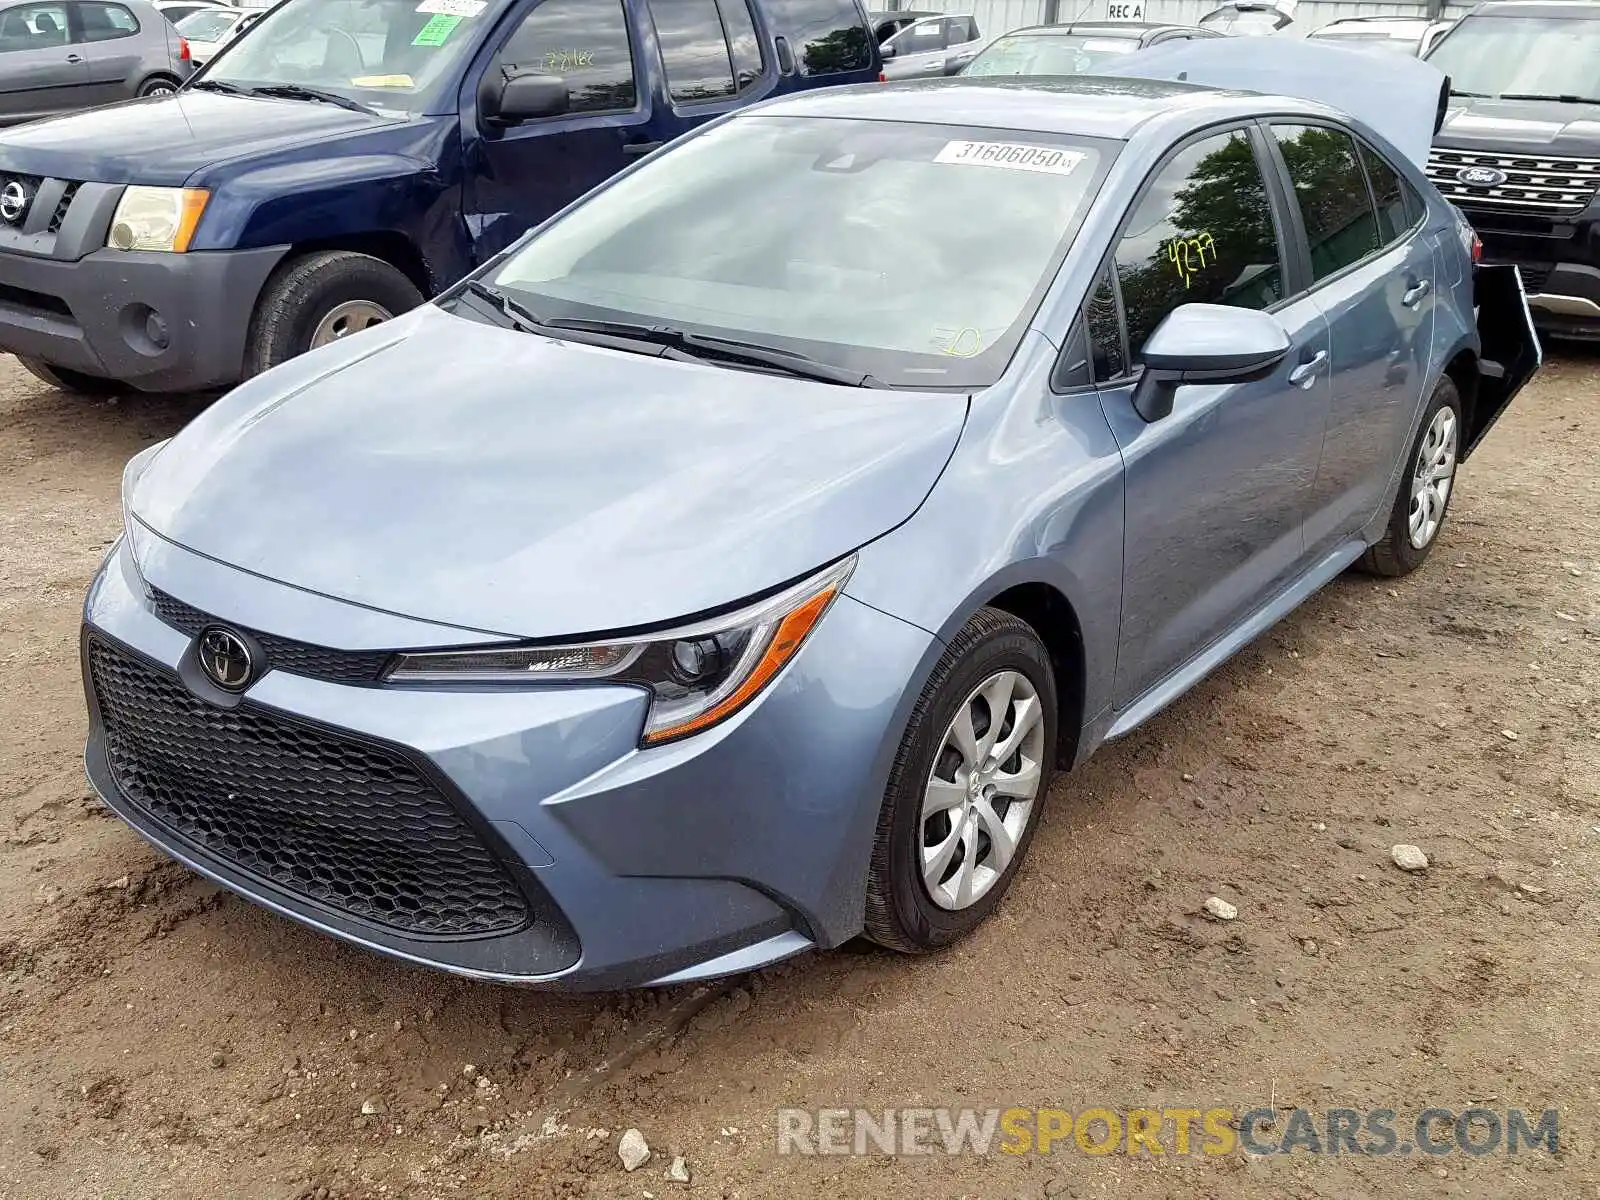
(1533, 183)
(350, 825)
(283, 654)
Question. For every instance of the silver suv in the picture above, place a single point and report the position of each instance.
(61, 55)
(931, 45)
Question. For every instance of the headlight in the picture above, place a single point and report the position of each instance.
(154, 218)
(697, 676)
(131, 474)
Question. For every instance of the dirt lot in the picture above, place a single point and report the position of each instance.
(161, 1038)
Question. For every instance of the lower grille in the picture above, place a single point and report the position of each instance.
(283, 654)
(1534, 276)
(352, 826)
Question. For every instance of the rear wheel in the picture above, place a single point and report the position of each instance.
(159, 85)
(71, 381)
(966, 787)
(322, 298)
(1425, 490)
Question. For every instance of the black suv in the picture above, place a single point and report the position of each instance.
(1519, 151)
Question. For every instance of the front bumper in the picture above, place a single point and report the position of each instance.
(721, 853)
(96, 314)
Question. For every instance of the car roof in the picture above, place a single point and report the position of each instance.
(1575, 9)
(1087, 105)
(1102, 28)
(1378, 23)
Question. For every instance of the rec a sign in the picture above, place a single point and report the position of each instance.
(1125, 10)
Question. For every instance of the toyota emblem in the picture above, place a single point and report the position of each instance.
(1483, 177)
(226, 659)
(14, 201)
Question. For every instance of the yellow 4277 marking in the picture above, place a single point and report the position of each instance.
(1189, 255)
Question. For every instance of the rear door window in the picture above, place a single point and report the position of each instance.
(1202, 233)
(744, 44)
(104, 22)
(828, 36)
(1331, 190)
(583, 41)
(694, 49)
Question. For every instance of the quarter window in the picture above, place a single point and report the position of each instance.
(1341, 227)
(828, 35)
(583, 41)
(1107, 358)
(1398, 205)
(1201, 234)
(105, 22)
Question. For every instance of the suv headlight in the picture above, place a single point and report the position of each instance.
(156, 218)
(697, 676)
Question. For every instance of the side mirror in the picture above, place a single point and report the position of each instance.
(522, 96)
(887, 51)
(1206, 343)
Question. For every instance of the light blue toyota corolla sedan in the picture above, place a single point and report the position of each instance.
(724, 570)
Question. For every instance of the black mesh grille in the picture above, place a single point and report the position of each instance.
(1534, 277)
(283, 654)
(62, 205)
(352, 826)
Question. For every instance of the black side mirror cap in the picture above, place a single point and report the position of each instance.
(517, 96)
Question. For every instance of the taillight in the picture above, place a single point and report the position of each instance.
(1477, 249)
(882, 78)
(183, 50)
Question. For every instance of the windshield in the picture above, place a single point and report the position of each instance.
(208, 26)
(390, 54)
(1050, 54)
(1543, 56)
(912, 253)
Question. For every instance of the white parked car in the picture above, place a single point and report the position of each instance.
(1407, 35)
(213, 27)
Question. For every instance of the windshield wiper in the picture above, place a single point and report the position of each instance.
(1564, 98)
(1471, 95)
(521, 318)
(703, 346)
(298, 91)
(218, 85)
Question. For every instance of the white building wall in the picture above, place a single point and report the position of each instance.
(998, 16)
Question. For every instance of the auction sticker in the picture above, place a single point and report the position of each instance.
(1014, 156)
(453, 8)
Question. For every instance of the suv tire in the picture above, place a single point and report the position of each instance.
(307, 298)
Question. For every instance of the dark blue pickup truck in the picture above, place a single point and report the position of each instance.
(346, 159)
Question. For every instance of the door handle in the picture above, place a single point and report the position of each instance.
(635, 149)
(1415, 293)
(1302, 375)
(74, 58)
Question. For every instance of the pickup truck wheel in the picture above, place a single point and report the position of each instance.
(321, 298)
(70, 381)
(1426, 486)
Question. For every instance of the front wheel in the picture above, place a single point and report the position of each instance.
(1425, 490)
(966, 787)
(321, 298)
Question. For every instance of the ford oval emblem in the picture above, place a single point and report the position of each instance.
(1483, 177)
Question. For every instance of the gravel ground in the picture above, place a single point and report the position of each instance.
(161, 1038)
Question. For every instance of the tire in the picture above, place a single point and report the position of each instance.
(1398, 552)
(901, 911)
(71, 381)
(158, 85)
(305, 292)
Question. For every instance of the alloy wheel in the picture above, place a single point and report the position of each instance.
(1433, 477)
(982, 790)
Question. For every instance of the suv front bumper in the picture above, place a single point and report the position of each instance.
(156, 322)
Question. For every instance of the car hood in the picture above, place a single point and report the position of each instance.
(1542, 125)
(164, 140)
(473, 476)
